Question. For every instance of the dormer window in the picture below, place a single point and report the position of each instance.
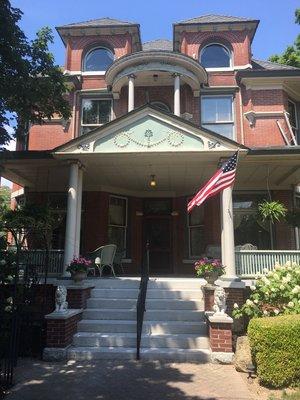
(215, 56)
(98, 60)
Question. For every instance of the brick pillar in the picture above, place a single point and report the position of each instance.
(220, 337)
(61, 327)
(77, 296)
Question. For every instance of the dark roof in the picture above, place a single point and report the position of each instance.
(101, 22)
(268, 65)
(158, 44)
(213, 18)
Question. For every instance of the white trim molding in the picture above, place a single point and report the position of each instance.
(252, 115)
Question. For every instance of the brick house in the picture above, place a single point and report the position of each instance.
(150, 124)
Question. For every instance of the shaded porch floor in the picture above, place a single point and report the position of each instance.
(112, 380)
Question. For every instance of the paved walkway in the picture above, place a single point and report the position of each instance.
(112, 380)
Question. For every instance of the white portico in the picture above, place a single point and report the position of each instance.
(121, 156)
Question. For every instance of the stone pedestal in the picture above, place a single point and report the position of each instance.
(61, 326)
(220, 337)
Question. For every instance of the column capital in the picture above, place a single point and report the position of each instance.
(131, 76)
(76, 162)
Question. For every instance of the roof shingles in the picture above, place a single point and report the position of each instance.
(158, 44)
(213, 18)
(106, 21)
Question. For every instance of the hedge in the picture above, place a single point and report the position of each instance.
(275, 346)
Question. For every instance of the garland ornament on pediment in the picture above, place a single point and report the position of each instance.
(214, 144)
(123, 139)
(84, 147)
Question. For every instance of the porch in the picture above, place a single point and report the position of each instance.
(249, 263)
(133, 177)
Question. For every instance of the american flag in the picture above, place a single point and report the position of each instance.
(222, 179)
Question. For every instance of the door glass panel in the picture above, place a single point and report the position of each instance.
(157, 207)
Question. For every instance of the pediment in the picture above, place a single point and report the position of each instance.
(147, 131)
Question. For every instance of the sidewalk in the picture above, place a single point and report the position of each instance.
(115, 380)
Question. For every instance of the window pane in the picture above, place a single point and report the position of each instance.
(215, 56)
(248, 201)
(196, 241)
(222, 129)
(98, 60)
(196, 216)
(95, 112)
(248, 230)
(116, 236)
(117, 211)
(216, 109)
(292, 114)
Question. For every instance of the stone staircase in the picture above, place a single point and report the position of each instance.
(174, 328)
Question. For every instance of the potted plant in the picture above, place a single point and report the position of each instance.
(78, 268)
(209, 269)
(272, 211)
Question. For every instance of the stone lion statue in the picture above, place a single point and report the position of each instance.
(219, 301)
(61, 304)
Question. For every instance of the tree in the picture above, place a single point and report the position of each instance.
(4, 197)
(291, 56)
(32, 87)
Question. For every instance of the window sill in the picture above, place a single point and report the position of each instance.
(91, 73)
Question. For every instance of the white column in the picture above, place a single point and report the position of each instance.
(227, 234)
(70, 236)
(131, 92)
(78, 213)
(177, 94)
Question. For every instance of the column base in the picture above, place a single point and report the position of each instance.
(232, 282)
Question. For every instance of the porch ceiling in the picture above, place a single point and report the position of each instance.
(176, 173)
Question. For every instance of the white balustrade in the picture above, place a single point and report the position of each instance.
(254, 262)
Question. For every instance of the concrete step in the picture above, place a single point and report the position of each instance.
(126, 304)
(174, 327)
(176, 283)
(150, 315)
(199, 356)
(174, 294)
(149, 327)
(123, 353)
(108, 314)
(115, 294)
(174, 304)
(183, 341)
(101, 353)
(114, 283)
(106, 326)
(173, 315)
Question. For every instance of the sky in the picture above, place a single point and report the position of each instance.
(276, 29)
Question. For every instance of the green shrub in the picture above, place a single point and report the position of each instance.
(277, 292)
(287, 396)
(275, 346)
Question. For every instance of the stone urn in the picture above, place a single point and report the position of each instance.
(78, 277)
(211, 277)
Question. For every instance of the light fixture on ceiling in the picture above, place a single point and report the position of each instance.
(155, 77)
(152, 181)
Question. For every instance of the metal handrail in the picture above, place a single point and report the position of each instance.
(141, 301)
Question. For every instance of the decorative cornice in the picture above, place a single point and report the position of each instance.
(252, 116)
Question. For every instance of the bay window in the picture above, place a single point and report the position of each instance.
(94, 113)
(217, 114)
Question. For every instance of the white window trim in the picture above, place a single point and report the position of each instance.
(161, 103)
(230, 68)
(126, 218)
(233, 122)
(296, 114)
(84, 72)
(189, 227)
(95, 98)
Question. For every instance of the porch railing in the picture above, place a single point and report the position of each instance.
(37, 259)
(254, 262)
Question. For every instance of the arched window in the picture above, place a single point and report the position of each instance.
(98, 59)
(215, 56)
(162, 106)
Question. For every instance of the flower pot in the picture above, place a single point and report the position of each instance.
(78, 277)
(211, 277)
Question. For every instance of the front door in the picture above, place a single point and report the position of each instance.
(157, 232)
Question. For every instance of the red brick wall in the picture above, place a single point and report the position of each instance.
(220, 337)
(193, 42)
(78, 46)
